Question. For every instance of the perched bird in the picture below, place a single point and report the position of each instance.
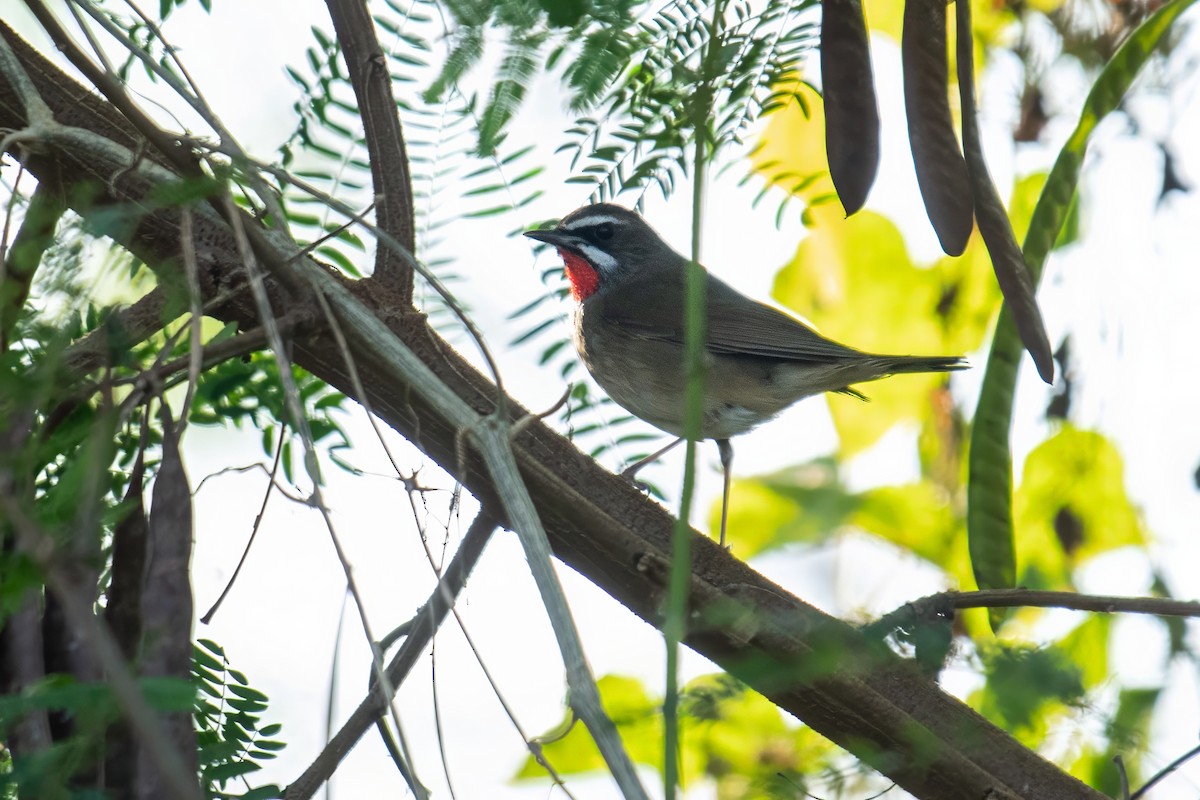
(629, 330)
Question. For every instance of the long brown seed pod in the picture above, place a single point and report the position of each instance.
(941, 171)
(851, 111)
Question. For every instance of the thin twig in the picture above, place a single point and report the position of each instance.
(170, 50)
(1123, 774)
(527, 420)
(1165, 771)
(385, 240)
(313, 245)
(110, 86)
(91, 38)
(947, 602)
(242, 344)
(334, 680)
(385, 734)
(13, 196)
(295, 498)
(352, 371)
(534, 748)
(262, 510)
(190, 93)
(439, 728)
(412, 490)
(424, 625)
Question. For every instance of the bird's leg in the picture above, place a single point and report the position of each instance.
(629, 472)
(726, 450)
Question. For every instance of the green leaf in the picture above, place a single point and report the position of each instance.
(1025, 685)
(989, 488)
(232, 769)
(1087, 646)
(204, 659)
(637, 716)
(247, 706)
(806, 503)
(918, 517)
(339, 259)
(1072, 505)
(248, 693)
(563, 13)
(854, 279)
(1128, 732)
(515, 74)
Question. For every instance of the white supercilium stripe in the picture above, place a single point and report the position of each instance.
(592, 221)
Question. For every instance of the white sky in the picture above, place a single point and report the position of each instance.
(1128, 297)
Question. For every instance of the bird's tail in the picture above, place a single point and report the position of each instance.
(872, 368)
(894, 365)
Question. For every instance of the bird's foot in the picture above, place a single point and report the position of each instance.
(630, 474)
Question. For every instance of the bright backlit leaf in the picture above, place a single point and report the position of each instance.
(853, 278)
(1071, 506)
(806, 503)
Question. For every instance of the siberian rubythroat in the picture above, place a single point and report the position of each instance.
(629, 330)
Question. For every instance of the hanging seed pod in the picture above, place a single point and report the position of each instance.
(941, 171)
(851, 111)
(1012, 274)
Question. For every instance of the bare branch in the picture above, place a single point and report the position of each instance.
(1162, 773)
(946, 603)
(135, 323)
(385, 142)
(493, 439)
(258, 518)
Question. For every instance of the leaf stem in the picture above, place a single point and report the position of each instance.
(675, 624)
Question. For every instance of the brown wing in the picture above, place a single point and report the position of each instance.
(736, 325)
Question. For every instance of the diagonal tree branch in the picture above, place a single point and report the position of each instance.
(829, 675)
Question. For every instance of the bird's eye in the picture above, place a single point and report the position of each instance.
(604, 231)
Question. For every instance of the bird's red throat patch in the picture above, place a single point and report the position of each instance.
(582, 275)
